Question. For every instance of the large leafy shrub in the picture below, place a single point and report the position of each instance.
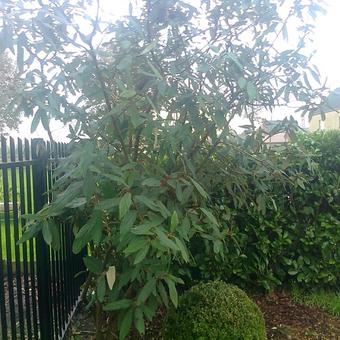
(295, 240)
(149, 101)
(215, 310)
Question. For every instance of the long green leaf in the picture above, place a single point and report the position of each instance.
(126, 324)
(117, 305)
(135, 245)
(166, 241)
(146, 291)
(199, 188)
(93, 264)
(172, 291)
(124, 204)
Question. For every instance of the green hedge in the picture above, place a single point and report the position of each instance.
(215, 311)
(296, 242)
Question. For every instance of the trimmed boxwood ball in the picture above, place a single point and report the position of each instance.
(215, 310)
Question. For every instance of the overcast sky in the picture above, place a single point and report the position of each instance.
(327, 57)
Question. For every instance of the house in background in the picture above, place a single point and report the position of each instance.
(279, 132)
(272, 137)
(331, 112)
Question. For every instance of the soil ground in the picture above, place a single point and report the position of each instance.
(285, 320)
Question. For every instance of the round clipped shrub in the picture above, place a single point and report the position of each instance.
(215, 310)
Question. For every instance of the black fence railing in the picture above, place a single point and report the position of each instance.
(39, 287)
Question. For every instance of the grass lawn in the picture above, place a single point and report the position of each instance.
(328, 301)
(3, 244)
(21, 181)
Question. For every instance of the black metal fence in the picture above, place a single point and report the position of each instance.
(39, 287)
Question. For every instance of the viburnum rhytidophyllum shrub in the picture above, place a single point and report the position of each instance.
(149, 100)
(215, 310)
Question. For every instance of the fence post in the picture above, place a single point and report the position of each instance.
(42, 250)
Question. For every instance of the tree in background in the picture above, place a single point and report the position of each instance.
(9, 84)
(149, 100)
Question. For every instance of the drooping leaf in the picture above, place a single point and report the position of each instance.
(172, 291)
(117, 305)
(146, 291)
(252, 91)
(127, 222)
(182, 249)
(124, 204)
(111, 276)
(47, 234)
(135, 245)
(35, 121)
(210, 216)
(151, 182)
(174, 221)
(166, 241)
(199, 188)
(242, 83)
(126, 324)
(101, 288)
(139, 320)
(140, 256)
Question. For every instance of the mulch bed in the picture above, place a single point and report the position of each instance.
(284, 320)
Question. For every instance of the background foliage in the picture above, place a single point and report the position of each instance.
(9, 86)
(293, 241)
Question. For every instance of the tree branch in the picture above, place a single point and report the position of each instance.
(108, 103)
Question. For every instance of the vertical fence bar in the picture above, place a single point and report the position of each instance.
(17, 258)
(25, 258)
(65, 274)
(31, 242)
(3, 332)
(8, 239)
(54, 278)
(42, 249)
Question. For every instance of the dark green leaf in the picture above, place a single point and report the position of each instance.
(47, 233)
(210, 216)
(101, 288)
(172, 291)
(146, 291)
(117, 305)
(93, 264)
(182, 249)
(199, 188)
(127, 222)
(126, 324)
(174, 221)
(124, 204)
(135, 245)
(139, 321)
(151, 182)
(140, 256)
(166, 241)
